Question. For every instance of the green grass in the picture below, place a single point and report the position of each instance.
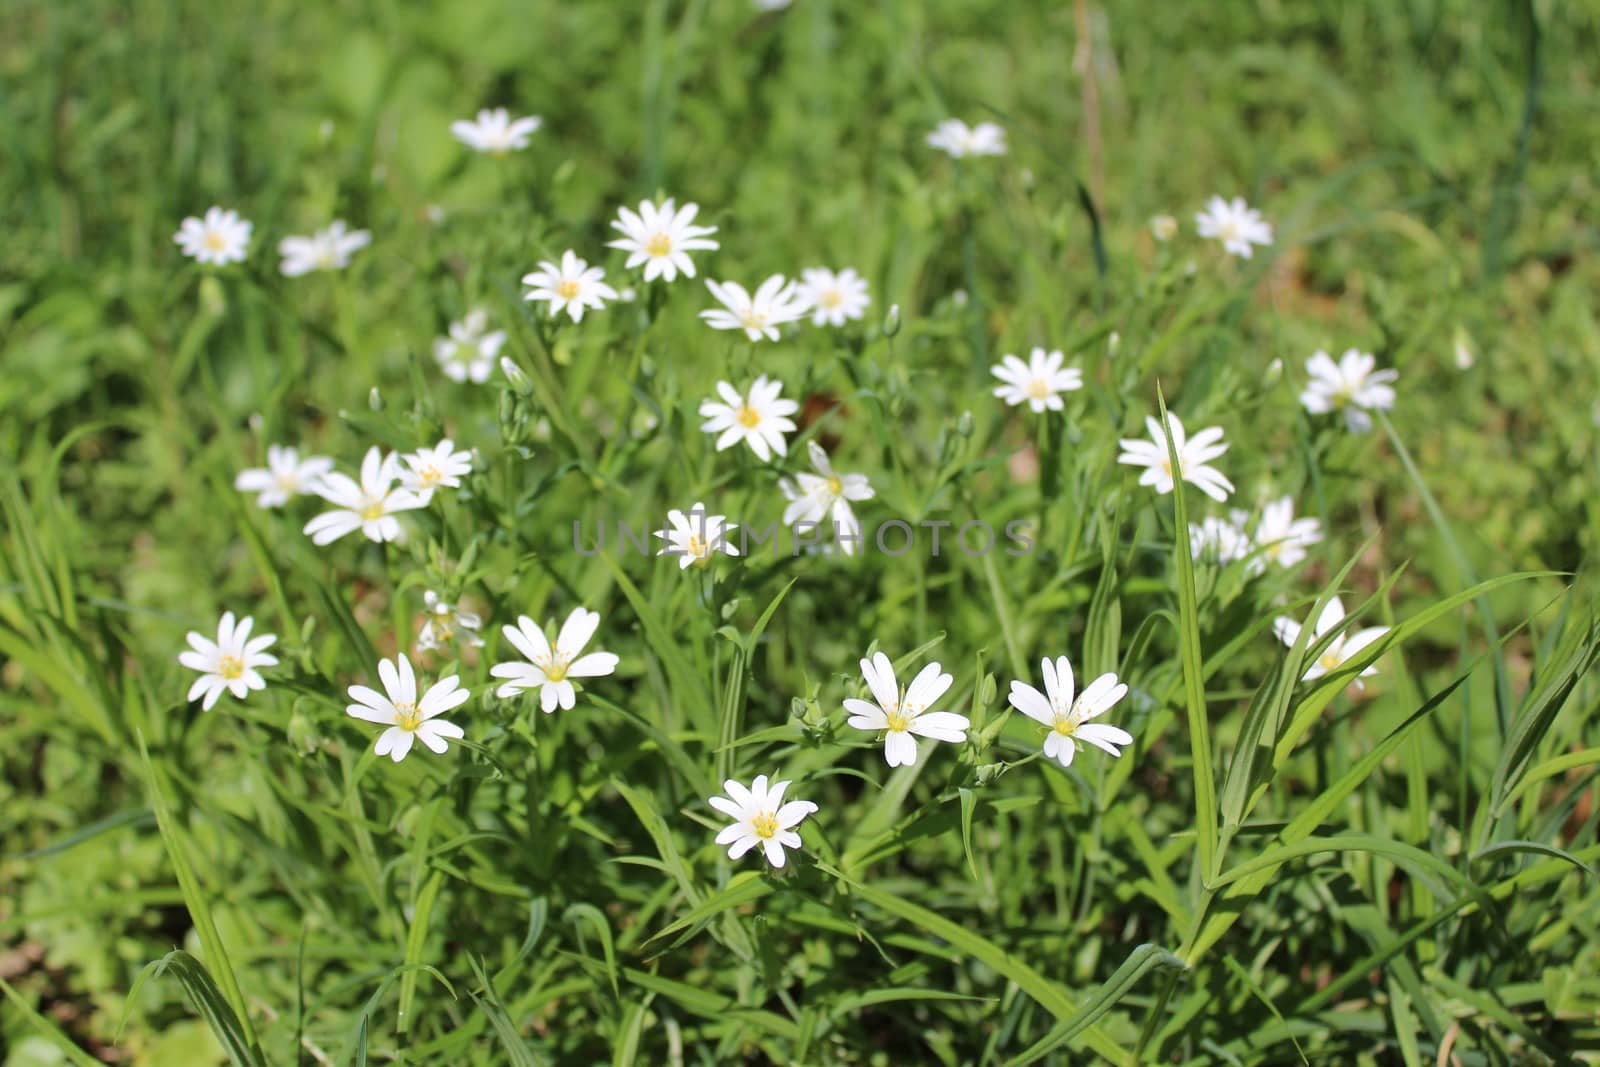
(1276, 871)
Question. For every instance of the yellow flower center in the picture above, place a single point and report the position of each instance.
(659, 245)
(429, 477)
(899, 720)
(1343, 397)
(1038, 389)
(372, 512)
(748, 416)
(765, 825)
(556, 671)
(230, 667)
(836, 486)
(1228, 230)
(753, 320)
(695, 546)
(1330, 660)
(831, 298)
(407, 717)
(1066, 725)
(568, 290)
(216, 241)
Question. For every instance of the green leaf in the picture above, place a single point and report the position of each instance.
(1194, 686)
(1140, 962)
(203, 995)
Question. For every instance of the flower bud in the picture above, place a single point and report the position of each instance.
(375, 399)
(891, 321)
(964, 424)
(514, 376)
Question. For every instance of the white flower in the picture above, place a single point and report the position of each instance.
(760, 418)
(826, 496)
(328, 249)
(408, 718)
(445, 623)
(1282, 538)
(438, 467)
(833, 298)
(228, 663)
(1340, 651)
(552, 669)
(369, 507)
(1219, 540)
(760, 818)
(775, 302)
(1039, 382)
(571, 287)
(661, 236)
(284, 476)
(1352, 386)
(470, 350)
(1235, 224)
(903, 714)
(1194, 456)
(221, 237)
(495, 131)
(959, 139)
(695, 536)
(1068, 719)
(1163, 227)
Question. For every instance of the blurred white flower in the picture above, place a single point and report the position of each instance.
(1233, 222)
(627, 294)
(760, 418)
(571, 286)
(551, 668)
(1194, 457)
(1163, 227)
(1219, 540)
(960, 140)
(776, 301)
(1353, 385)
(495, 131)
(409, 719)
(902, 716)
(1340, 651)
(441, 466)
(285, 475)
(1038, 383)
(228, 663)
(446, 622)
(661, 236)
(833, 298)
(695, 536)
(1463, 349)
(826, 496)
(328, 249)
(469, 352)
(369, 506)
(1280, 537)
(1068, 718)
(221, 237)
(760, 818)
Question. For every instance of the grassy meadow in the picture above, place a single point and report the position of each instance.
(1318, 850)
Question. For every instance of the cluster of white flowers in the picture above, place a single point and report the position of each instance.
(659, 237)
(1279, 538)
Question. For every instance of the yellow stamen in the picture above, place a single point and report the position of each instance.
(899, 720)
(659, 245)
(372, 512)
(230, 667)
(831, 298)
(748, 416)
(836, 486)
(407, 717)
(568, 290)
(765, 825)
(1330, 660)
(215, 241)
(1038, 389)
(1066, 725)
